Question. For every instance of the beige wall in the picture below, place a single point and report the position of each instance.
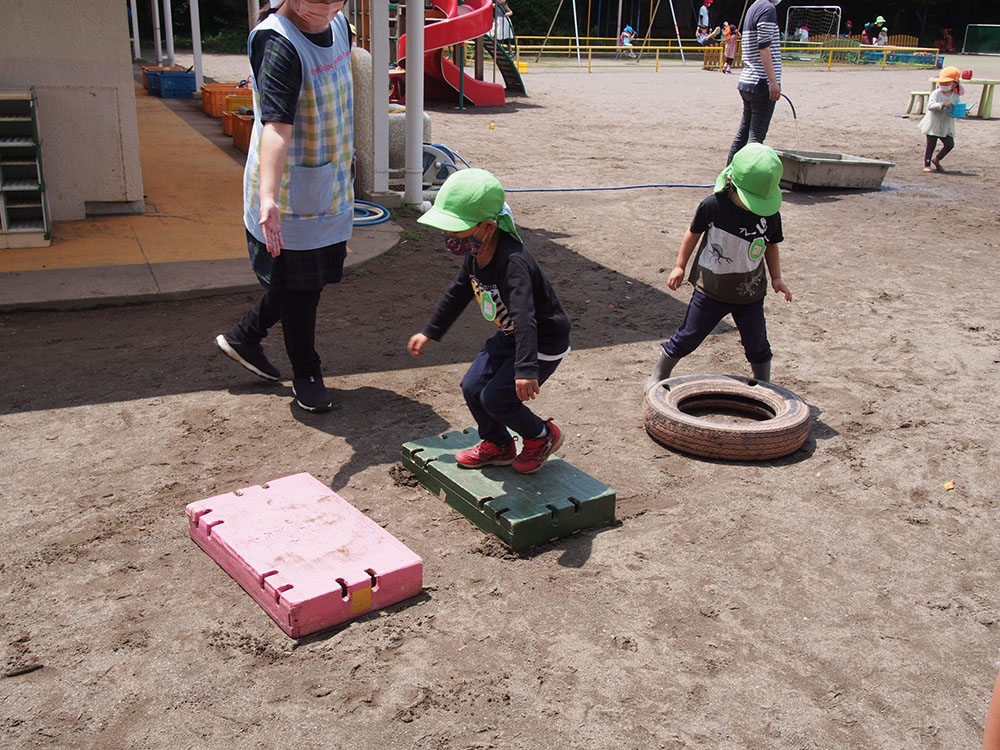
(76, 53)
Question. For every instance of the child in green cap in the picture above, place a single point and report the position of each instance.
(739, 227)
(512, 292)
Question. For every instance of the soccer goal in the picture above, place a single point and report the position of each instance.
(819, 20)
(981, 39)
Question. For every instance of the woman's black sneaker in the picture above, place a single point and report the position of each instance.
(251, 357)
(311, 394)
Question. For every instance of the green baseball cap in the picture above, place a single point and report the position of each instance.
(468, 197)
(755, 173)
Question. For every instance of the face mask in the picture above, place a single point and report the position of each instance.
(462, 246)
(320, 12)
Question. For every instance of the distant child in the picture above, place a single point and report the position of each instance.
(625, 42)
(739, 227)
(732, 35)
(938, 122)
(512, 292)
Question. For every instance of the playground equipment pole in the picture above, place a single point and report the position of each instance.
(136, 52)
(156, 32)
(618, 33)
(380, 93)
(168, 26)
(549, 32)
(576, 31)
(252, 9)
(413, 192)
(680, 44)
(199, 73)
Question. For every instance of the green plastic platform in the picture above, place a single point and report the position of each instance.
(521, 509)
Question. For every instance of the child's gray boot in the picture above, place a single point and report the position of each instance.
(761, 371)
(664, 366)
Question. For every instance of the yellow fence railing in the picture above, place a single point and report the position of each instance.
(603, 51)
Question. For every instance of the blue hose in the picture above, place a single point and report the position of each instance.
(367, 214)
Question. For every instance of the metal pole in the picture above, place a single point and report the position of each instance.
(649, 29)
(549, 32)
(158, 50)
(199, 73)
(576, 31)
(680, 44)
(253, 8)
(618, 33)
(413, 194)
(460, 54)
(168, 25)
(380, 93)
(136, 52)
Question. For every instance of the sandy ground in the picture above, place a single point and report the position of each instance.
(838, 598)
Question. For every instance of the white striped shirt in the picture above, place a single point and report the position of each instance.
(760, 31)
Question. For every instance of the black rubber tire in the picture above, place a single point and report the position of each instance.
(783, 429)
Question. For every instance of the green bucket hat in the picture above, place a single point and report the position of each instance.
(755, 173)
(880, 20)
(468, 197)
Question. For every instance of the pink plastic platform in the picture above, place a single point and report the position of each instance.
(306, 555)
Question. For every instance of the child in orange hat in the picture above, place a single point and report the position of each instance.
(938, 122)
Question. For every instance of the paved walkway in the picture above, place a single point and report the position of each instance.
(189, 243)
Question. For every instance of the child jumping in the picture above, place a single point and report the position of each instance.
(938, 122)
(742, 228)
(512, 292)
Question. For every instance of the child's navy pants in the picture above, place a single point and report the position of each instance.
(489, 390)
(704, 313)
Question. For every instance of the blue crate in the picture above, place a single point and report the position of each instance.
(153, 81)
(176, 84)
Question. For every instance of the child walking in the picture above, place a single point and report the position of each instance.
(732, 36)
(512, 292)
(938, 122)
(739, 227)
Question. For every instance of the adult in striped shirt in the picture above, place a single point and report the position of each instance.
(760, 81)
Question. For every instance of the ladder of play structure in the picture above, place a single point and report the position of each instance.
(508, 68)
(24, 208)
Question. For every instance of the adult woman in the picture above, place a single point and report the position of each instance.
(298, 199)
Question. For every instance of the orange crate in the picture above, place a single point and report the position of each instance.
(227, 122)
(213, 97)
(242, 128)
(235, 101)
(156, 67)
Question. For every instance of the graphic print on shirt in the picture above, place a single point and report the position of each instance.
(491, 306)
(728, 256)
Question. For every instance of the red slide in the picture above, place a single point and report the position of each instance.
(459, 23)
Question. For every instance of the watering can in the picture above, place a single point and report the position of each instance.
(961, 109)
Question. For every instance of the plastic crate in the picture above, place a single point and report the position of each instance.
(213, 97)
(242, 130)
(235, 101)
(145, 68)
(176, 85)
(153, 81)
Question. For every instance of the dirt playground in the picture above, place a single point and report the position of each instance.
(840, 597)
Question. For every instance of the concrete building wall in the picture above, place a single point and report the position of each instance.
(76, 54)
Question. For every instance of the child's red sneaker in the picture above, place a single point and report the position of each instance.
(487, 453)
(537, 450)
